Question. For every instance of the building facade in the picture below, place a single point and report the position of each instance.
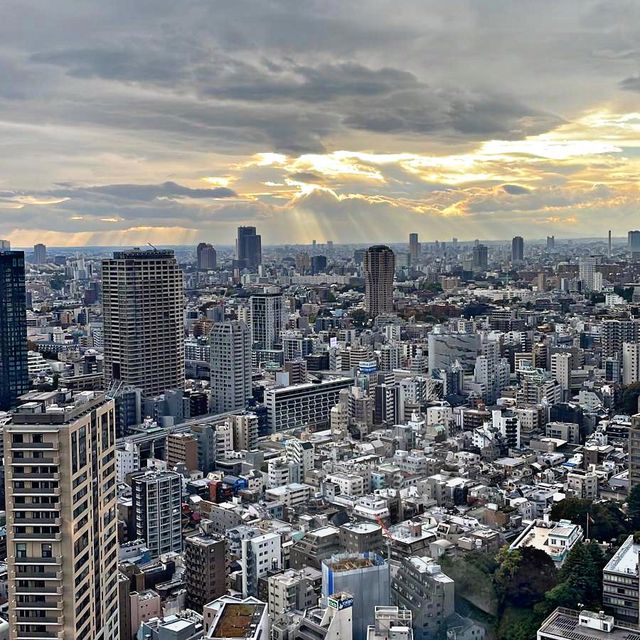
(143, 320)
(157, 502)
(303, 404)
(205, 569)
(14, 371)
(379, 270)
(248, 248)
(206, 256)
(61, 519)
(230, 366)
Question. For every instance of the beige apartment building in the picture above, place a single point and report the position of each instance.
(61, 518)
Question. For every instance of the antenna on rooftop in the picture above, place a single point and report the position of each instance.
(154, 248)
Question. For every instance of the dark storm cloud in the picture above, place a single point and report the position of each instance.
(631, 84)
(307, 176)
(214, 74)
(453, 112)
(144, 192)
(515, 189)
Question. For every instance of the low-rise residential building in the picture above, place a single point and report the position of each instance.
(556, 539)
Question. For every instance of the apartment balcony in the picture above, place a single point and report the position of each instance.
(51, 589)
(35, 491)
(35, 476)
(55, 605)
(31, 460)
(28, 446)
(35, 560)
(53, 522)
(44, 620)
(44, 537)
(30, 574)
(39, 635)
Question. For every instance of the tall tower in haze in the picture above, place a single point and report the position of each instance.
(39, 254)
(142, 299)
(248, 248)
(414, 248)
(517, 249)
(14, 375)
(379, 269)
(207, 257)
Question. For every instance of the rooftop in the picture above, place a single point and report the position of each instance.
(237, 620)
(625, 559)
(584, 625)
(352, 562)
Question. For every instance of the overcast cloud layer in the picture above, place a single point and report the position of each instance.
(124, 122)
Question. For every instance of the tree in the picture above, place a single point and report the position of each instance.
(607, 521)
(524, 576)
(57, 282)
(359, 316)
(633, 507)
(518, 624)
(582, 574)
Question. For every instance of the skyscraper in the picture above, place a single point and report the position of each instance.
(614, 333)
(633, 239)
(318, 264)
(143, 320)
(414, 248)
(248, 248)
(230, 366)
(61, 519)
(517, 249)
(480, 260)
(267, 319)
(39, 254)
(157, 502)
(591, 279)
(551, 243)
(206, 256)
(379, 269)
(14, 375)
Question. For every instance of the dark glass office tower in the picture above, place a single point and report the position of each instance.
(14, 373)
(248, 248)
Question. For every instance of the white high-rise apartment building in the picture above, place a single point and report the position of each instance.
(142, 300)
(267, 319)
(259, 556)
(561, 370)
(591, 279)
(230, 366)
(61, 519)
(630, 362)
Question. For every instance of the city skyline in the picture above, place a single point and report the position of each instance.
(122, 125)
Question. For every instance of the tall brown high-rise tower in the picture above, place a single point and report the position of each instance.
(379, 268)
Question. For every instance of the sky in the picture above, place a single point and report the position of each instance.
(174, 121)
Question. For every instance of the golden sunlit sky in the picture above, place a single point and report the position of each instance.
(127, 122)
